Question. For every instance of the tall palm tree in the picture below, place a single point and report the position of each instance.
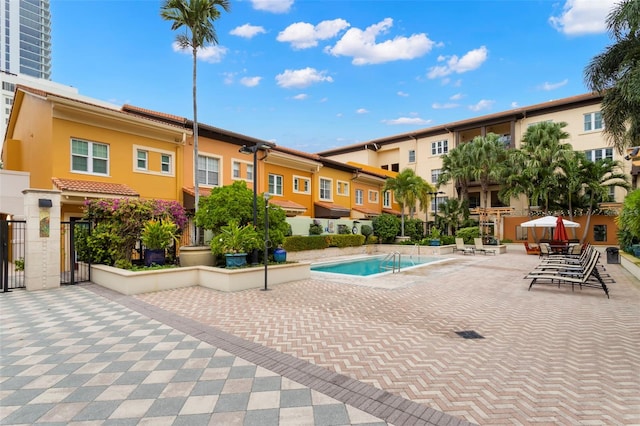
(408, 189)
(598, 177)
(488, 154)
(456, 167)
(614, 73)
(197, 17)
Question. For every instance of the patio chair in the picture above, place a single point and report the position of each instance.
(479, 246)
(531, 248)
(545, 249)
(461, 247)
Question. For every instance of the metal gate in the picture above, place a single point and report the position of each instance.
(73, 268)
(12, 240)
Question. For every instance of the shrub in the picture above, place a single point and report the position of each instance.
(386, 227)
(367, 231)
(350, 240)
(315, 229)
(447, 239)
(300, 243)
(468, 234)
(414, 229)
(343, 229)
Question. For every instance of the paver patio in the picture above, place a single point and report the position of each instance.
(548, 356)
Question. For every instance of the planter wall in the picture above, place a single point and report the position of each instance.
(221, 279)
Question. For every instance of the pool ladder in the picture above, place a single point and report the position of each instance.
(389, 262)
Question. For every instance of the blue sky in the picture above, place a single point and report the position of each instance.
(318, 74)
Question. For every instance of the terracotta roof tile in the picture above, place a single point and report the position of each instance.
(366, 211)
(331, 206)
(286, 204)
(191, 190)
(75, 185)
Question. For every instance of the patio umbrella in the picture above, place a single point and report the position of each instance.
(560, 233)
(548, 222)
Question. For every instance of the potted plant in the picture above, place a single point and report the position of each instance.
(434, 236)
(234, 242)
(156, 236)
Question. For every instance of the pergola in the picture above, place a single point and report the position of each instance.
(485, 213)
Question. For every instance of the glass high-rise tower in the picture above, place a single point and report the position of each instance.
(25, 37)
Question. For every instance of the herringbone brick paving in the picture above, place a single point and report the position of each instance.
(549, 355)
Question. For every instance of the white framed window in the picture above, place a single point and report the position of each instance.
(165, 163)
(599, 154)
(436, 202)
(142, 159)
(325, 189)
(250, 172)
(412, 155)
(386, 199)
(439, 147)
(235, 167)
(373, 196)
(301, 185)
(593, 121)
(275, 184)
(435, 175)
(208, 170)
(343, 187)
(359, 196)
(89, 157)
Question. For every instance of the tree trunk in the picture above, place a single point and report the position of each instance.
(196, 186)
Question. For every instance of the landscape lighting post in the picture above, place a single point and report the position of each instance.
(267, 243)
(435, 209)
(254, 150)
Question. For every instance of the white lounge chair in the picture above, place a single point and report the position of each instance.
(481, 247)
(461, 247)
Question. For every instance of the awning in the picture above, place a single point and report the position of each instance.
(75, 191)
(290, 208)
(189, 193)
(392, 211)
(366, 213)
(330, 210)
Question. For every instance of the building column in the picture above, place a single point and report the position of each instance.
(42, 239)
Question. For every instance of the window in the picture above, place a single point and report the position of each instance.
(275, 184)
(301, 184)
(250, 172)
(89, 157)
(600, 232)
(593, 121)
(142, 157)
(598, 154)
(385, 167)
(435, 175)
(165, 163)
(359, 196)
(386, 199)
(436, 202)
(612, 194)
(208, 170)
(236, 170)
(325, 189)
(395, 167)
(439, 147)
(373, 196)
(343, 187)
(412, 155)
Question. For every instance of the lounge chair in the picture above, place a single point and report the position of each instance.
(461, 247)
(583, 275)
(482, 248)
(545, 249)
(531, 248)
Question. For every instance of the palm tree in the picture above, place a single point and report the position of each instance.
(598, 177)
(197, 17)
(456, 167)
(408, 189)
(614, 73)
(488, 155)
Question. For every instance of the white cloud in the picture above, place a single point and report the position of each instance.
(414, 121)
(403, 94)
(362, 111)
(457, 97)
(228, 77)
(362, 46)
(546, 86)
(482, 105)
(250, 81)
(212, 54)
(247, 31)
(581, 17)
(469, 62)
(273, 6)
(448, 105)
(302, 78)
(514, 104)
(301, 97)
(302, 35)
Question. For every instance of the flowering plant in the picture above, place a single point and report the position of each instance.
(234, 238)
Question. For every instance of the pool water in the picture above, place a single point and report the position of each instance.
(370, 265)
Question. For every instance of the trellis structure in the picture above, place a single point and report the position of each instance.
(485, 214)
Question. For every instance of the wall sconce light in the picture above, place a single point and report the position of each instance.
(45, 203)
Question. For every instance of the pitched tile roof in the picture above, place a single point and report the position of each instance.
(287, 205)
(366, 211)
(87, 186)
(191, 190)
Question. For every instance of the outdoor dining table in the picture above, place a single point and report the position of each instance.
(559, 247)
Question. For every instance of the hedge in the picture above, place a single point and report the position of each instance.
(317, 242)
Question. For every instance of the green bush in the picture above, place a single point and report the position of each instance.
(372, 239)
(447, 239)
(350, 240)
(367, 231)
(315, 229)
(301, 242)
(414, 229)
(343, 229)
(468, 234)
(386, 227)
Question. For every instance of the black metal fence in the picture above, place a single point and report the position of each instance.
(73, 269)
(12, 254)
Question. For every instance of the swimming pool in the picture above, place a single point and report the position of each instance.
(371, 265)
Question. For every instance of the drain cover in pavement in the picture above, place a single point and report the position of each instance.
(469, 334)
